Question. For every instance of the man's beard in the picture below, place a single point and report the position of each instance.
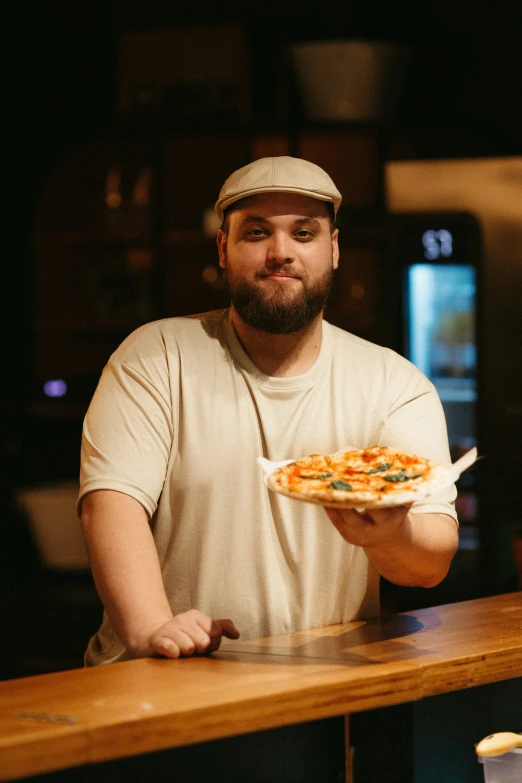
(279, 311)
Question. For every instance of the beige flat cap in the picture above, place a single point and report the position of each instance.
(280, 174)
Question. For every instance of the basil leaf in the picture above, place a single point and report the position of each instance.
(400, 476)
(337, 484)
(319, 476)
(380, 468)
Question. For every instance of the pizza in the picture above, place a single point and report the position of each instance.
(370, 478)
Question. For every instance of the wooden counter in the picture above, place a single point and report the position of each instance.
(54, 721)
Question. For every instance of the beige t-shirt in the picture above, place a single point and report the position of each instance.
(178, 420)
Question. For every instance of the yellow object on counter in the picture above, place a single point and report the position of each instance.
(499, 743)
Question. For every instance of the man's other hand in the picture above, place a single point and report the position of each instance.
(189, 633)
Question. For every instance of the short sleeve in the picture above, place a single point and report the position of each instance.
(416, 424)
(127, 434)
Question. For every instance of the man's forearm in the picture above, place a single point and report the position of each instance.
(125, 565)
(421, 553)
(408, 549)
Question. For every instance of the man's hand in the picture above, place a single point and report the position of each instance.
(372, 527)
(408, 549)
(127, 573)
(189, 633)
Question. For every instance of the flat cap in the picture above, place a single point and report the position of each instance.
(279, 174)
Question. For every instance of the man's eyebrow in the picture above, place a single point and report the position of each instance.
(304, 221)
(254, 219)
(308, 221)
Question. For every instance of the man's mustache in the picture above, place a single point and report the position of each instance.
(280, 271)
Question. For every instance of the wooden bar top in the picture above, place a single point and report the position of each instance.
(80, 716)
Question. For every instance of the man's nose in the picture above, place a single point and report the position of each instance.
(280, 248)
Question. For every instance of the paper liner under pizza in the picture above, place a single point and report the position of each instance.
(376, 477)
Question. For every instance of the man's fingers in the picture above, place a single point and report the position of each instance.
(371, 527)
(179, 642)
(341, 517)
(194, 626)
(386, 514)
(191, 633)
(220, 628)
(202, 640)
(228, 628)
(217, 628)
(166, 647)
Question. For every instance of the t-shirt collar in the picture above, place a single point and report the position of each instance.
(309, 378)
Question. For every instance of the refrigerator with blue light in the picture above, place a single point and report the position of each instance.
(435, 273)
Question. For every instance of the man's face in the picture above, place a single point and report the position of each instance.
(279, 255)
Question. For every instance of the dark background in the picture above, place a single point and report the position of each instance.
(463, 100)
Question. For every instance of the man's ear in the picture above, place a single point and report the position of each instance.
(221, 240)
(335, 248)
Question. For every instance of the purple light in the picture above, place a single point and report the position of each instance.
(56, 388)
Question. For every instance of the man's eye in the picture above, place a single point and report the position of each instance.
(255, 233)
(304, 233)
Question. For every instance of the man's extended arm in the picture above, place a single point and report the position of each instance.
(408, 549)
(127, 575)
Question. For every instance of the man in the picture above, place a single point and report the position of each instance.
(186, 543)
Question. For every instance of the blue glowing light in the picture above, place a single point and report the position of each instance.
(55, 388)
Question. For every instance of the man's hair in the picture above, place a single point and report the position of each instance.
(224, 225)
